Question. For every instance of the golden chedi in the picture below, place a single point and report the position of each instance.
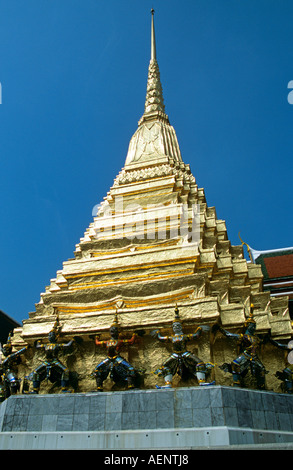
(154, 243)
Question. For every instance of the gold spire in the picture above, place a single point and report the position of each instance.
(154, 103)
(153, 38)
(155, 139)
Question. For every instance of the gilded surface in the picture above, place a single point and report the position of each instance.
(154, 97)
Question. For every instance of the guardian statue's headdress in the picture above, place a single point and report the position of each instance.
(250, 319)
(56, 327)
(115, 323)
(7, 347)
(177, 317)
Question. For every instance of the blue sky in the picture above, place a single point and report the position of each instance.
(73, 81)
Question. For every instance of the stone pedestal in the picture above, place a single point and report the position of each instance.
(213, 417)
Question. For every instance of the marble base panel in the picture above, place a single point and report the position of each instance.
(179, 418)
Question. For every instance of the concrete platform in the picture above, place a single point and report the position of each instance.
(213, 417)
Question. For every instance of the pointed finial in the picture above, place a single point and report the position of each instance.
(154, 103)
(153, 38)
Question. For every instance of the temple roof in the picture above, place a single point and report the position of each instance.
(275, 263)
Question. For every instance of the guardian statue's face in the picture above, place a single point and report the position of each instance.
(250, 329)
(114, 331)
(52, 337)
(177, 328)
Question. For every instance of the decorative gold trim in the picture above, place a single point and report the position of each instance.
(129, 280)
(141, 191)
(96, 254)
(170, 298)
(131, 268)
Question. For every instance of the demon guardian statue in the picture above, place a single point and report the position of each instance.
(182, 361)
